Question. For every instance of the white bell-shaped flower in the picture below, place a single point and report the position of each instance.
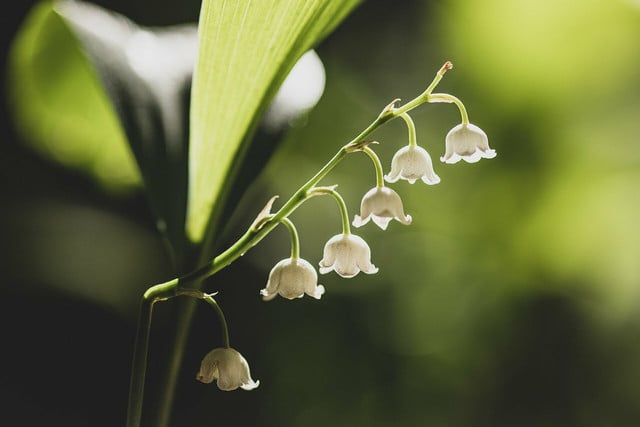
(347, 255)
(412, 163)
(381, 204)
(467, 142)
(228, 367)
(292, 278)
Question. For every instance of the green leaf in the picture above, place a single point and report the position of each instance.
(90, 88)
(108, 87)
(59, 105)
(147, 75)
(246, 48)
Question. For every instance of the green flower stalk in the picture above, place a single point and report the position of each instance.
(346, 254)
(412, 162)
(292, 277)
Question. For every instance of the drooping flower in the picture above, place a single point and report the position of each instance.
(381, 204)
(292, 278)
(467, 142)
(347, 255)
(228, 367)
(411, 163)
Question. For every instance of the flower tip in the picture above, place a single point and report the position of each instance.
(383, 222)
(325, 270)
(250, 385)
(347, 274)
(318, 292)
(204, 379)
(266, 296)
(450, 160)
(371, 270)
(431, 180)
(391, 178)
(359, 222)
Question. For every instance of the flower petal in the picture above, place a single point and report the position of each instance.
(250, 385)
(412, 163)
(381, 204)
(348, 252)
(228, 367)
(467, 142)
(291, 278)
(317, 292)
(359, 222)
(381, 221)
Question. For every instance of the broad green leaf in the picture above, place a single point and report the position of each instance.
(147, 75)
(246, 48)
(91, 87)
(59, 104)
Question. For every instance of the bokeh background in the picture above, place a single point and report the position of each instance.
(512, 300)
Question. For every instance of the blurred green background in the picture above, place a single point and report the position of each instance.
(512, 300)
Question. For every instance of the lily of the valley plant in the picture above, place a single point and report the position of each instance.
(345, 253)
(177, 109)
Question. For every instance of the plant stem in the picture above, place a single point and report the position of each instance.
(295, 239)
(208, 298)
(223, 321)
(139, 365)
(412, 129)
(180, 339)
(249, 239)
(344, 215)
(377, 165)
(422, 98)
(445, 97)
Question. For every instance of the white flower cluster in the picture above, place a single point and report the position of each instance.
(348, 254)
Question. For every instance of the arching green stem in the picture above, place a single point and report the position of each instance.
(412, 129)
(344, 214)
(255, 234)
(223, 321)
(295, 240)
(376, 163)
(445, 97)
(162, 292)
(208, 298)
(422, 98)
